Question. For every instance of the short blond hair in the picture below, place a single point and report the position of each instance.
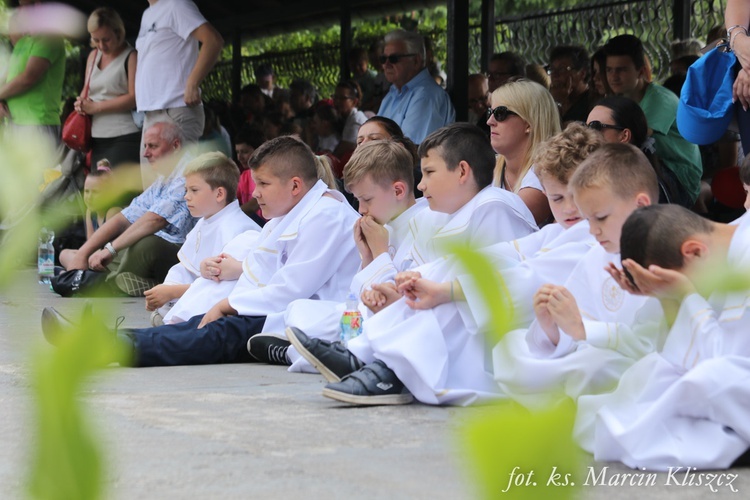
(218, 171)
(623, 168)
(534, 105)
(559, 156)
(385, 162)
(107, 17)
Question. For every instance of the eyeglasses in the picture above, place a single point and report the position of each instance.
(394, 58)
(599, 126)
(496, 75)
(479, 100)
(501, 113)
(343, 97)
(552, 70)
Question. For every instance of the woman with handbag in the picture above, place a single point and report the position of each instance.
(110, 71)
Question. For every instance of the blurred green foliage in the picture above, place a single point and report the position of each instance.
(514, 453)
(66, 457)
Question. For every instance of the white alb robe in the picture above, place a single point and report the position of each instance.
(308, 253)
(204, 293)
(688, 404)
(320, 318)
(206, 239)
(432, 364)
(620, 329)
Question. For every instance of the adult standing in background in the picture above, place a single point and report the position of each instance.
(415, 102)
(30, 96)
(172, 67)
(111, 99)
(737, 19)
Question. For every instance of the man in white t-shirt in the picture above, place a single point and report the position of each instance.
(171, 66)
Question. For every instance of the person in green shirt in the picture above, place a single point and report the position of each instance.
(626, 75)
(31, 93)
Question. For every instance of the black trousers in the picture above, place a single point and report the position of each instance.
(221, 341)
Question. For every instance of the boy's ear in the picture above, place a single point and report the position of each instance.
(464, 171)
(298, 185)
(642, 200)
(221, 194)
(399, 188)
(692, 249)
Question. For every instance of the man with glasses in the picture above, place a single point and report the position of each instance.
(415, 102)
(568, 70)
(504, 66)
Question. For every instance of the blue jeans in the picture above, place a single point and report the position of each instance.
(221, 341)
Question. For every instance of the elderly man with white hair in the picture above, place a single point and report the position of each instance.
(147, 234)
(415, 102)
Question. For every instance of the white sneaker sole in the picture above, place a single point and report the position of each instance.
(323, 369)
(390, 399)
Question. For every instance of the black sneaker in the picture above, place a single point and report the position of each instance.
(331, 359)
(375, 384)
(269, 348)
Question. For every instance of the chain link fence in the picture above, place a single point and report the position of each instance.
(592, 24)
(531, 35)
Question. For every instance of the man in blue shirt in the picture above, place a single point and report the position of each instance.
(148, 233)
(415, 102)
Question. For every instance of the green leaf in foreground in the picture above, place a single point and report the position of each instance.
(516, 454)
(67, 458)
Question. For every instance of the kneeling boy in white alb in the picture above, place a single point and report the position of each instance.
(587, 332)
(685, 406)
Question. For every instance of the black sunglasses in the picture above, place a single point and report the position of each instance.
(599, 126)
(394, 58)
(501, 113)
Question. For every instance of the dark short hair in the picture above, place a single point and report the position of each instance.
(262, 70)
(252, 136)
(627, 113)
(352, 86)
(304, 87)
(627, 45)
(463, 142)
(251, 89)
(517, 66)
(388, 125)
(288, 157)
(579, 56)
(655, 234)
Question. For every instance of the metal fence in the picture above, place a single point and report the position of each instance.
(531, 35)
(591, 25)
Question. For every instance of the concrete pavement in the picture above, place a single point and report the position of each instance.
(248, 431)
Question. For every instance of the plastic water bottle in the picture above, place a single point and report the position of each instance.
(351, 320)
(46, 256)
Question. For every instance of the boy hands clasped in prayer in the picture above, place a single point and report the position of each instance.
(588, 331)
(457, 166)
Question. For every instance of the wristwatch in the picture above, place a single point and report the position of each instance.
(111, 249)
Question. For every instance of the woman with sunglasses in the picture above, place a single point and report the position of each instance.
(620, 119)
(523, 115)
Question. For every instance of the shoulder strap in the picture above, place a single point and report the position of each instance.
(85, 93)
(127, 58)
